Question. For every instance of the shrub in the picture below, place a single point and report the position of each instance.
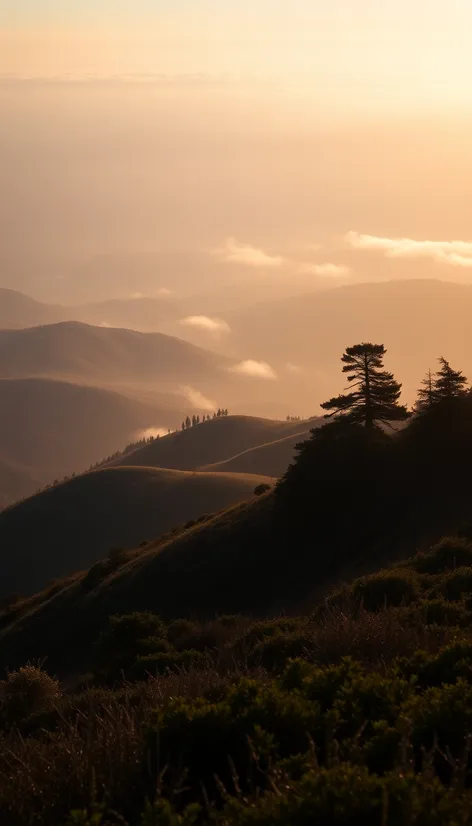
(211, 739)
(347, 795)
(273, 652)
(27, 691)
(259, 490)
(391, 587)
(440, 612)
(452, 662)
(448, 554)
(166, 662)
(455, 584)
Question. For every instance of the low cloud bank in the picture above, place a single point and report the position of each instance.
(197, 399)
(255, 369)
(234, 252)
(203, 322)
(455, 253)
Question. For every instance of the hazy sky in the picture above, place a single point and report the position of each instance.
(279, 128)
(384, 52)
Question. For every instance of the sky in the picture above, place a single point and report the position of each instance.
(399, 53)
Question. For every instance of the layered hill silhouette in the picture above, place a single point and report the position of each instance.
(213, 441)
(18, 310)
(76, 523)
(49, 429)
(71, 350)
(352, 501)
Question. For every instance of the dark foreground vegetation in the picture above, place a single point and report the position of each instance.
(355, 710)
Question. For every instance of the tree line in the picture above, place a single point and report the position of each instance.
(188, 422)
(373, 395)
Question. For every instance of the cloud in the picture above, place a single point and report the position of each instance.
(456, 253)
(197, 399)
(235, 253)
(104, 324)
(295, 369)
(327, 270)
(203, 322)
(255, 369)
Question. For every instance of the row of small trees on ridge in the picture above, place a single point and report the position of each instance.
(192, 422)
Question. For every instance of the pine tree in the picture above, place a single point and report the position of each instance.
(375, 397)
(425, 394)
(198, 419)
(448, 383)
(188, 423)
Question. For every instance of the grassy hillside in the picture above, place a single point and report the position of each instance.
(358, 713)
(72, 525)
(349, 503)
(271, 459)
(212, 441)
(49, 429)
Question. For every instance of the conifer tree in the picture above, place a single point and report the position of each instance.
(188, 423)
(448, 383)
(425, 394)
(375, 394)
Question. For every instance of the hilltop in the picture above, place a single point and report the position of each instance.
(73, 525)
(212, 441)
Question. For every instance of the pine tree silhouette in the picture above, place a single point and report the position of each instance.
(425, 397)
(448, 383)
(376, 393)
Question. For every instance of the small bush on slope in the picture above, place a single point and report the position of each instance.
(27, 691)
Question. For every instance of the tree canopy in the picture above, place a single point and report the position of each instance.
(375, 393)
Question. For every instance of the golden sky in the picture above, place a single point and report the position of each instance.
(391, 53)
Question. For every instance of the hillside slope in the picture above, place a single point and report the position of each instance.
(272, 458)
(49, 429)
(72, 525)
(212, 441)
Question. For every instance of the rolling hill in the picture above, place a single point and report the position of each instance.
(212, 441)
(71, 350)
(272, 458)
(49, 429)
(18, 310)
(74, 524)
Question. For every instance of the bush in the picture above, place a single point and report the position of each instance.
(454, 585)
(440, 612)
(273, 652)
(27, 691)
(166, 662)
(347, 795)
(259, 490)
(452, 662)
(448, 554)
(397, 586)
(233, 737)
